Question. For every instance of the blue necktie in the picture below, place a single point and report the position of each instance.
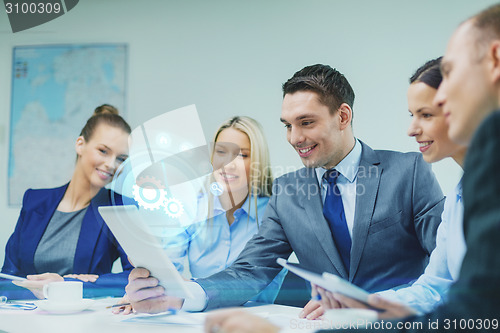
(333, 210)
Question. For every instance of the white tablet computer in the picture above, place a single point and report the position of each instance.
(328, 281)
(143, 248)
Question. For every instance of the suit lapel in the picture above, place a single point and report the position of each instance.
(368, 180)
(89, 234)
(313, 206)
(43, 215)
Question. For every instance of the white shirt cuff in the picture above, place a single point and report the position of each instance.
(199, 300)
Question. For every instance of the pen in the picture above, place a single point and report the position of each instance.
(172, 310)
(117, 305)
(317, 296)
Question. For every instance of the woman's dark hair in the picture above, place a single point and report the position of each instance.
(429, 73)
(106, 114)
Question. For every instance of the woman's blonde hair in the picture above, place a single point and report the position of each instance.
(261, 178)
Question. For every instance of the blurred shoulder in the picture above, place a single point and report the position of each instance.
(293, 175)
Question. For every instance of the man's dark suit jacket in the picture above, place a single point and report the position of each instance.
(474, 300)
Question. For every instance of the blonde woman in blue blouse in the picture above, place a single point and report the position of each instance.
(240, 158)
(231, 211)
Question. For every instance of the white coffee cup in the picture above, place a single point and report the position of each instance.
(63, 292)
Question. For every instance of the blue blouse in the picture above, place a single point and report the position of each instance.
(213, 245)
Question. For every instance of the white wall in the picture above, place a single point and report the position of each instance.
(231, 57)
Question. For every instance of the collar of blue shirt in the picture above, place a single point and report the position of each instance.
(348, 167)
(245, 207)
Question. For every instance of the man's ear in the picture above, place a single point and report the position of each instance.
(80, 143)
(495, 57)
(345, 114)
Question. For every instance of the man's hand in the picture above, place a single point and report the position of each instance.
(312, 310)
(390, 310)
(328, 299)
(124, 309)
(83, 277)
(321, 300)
(36, 282)
(235, 320)
(145, 295)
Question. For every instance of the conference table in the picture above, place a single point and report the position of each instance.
(98, 318)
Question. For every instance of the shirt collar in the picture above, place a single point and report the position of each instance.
(458, 190)
(348, 167)
(218, 207)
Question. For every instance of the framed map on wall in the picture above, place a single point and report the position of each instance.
(55, 89)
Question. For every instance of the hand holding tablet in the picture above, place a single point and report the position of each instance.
(328, 281)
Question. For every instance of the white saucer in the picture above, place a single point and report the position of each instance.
(65, 308)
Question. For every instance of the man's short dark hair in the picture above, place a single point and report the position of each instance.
(331, 86)
(487, 26)
(488, 21)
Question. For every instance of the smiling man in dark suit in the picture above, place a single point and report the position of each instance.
(369, 216)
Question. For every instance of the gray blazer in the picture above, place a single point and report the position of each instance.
(398, 209)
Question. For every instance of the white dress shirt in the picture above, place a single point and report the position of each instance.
(346, 182)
